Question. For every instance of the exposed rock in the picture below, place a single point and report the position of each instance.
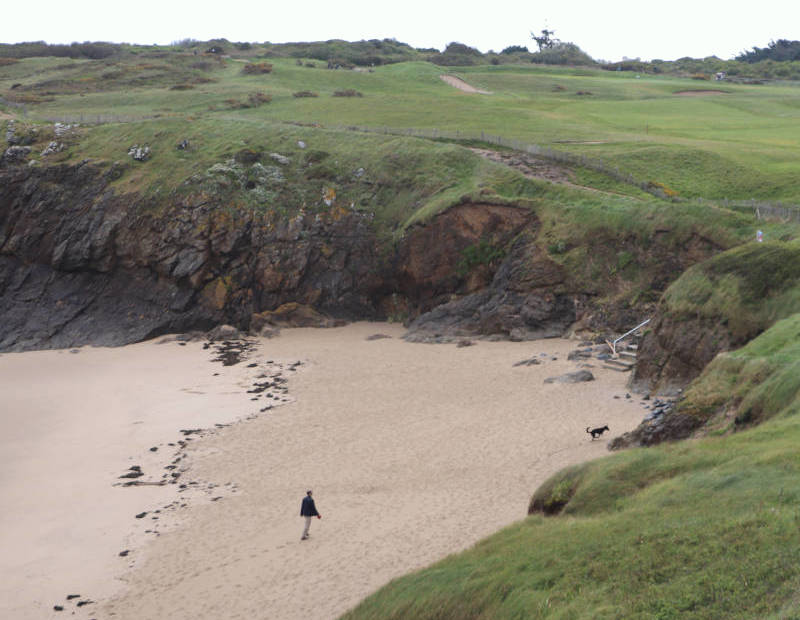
(139, 153)
(269, 332)
(674, 351)
(224, 332)
(281, 159)
(579, 354)
(377, 337)
(534, 361)
(520, 303)
(16, 154)
(301, 144)
(572, 377)
(665, 425)
(64, 129)
(292, 315)
(52, 147)
(466, 342)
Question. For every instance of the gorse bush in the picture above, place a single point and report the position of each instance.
(257, 68)
(304, 93)
(347, 93)
(253, 101)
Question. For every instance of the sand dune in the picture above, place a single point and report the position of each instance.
(413, 451)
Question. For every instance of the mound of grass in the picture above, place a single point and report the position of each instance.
(746, 289)
(694, 530)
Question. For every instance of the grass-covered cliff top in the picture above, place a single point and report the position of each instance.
(747, 288)
(736, 142)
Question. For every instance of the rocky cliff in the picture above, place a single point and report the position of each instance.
(81, 264)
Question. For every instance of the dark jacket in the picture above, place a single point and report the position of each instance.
(307, 508)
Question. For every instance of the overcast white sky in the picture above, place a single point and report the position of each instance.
(605, 30)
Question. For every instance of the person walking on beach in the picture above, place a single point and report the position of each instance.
(308, 511)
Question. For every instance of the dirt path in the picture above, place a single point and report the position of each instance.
(537, 168)
(463, 86)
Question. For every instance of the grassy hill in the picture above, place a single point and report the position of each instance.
(738, 143)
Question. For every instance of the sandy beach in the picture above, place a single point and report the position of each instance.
(413, 451)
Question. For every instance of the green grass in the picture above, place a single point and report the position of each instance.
(759, 381)
(747, 289)
(695, 530)
(738, 145)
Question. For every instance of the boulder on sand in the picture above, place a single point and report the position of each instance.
(572, 377)
(291, 315)
(224, 332)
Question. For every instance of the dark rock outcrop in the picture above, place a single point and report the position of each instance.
(675, 350)
(80, 264)
(522, 303)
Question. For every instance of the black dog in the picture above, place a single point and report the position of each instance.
(596, 432)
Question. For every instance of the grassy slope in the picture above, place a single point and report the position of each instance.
(739, 145)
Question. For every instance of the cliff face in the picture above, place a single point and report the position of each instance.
(83, 264)
(80, 264)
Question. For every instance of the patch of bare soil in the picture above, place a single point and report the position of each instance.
(537, 168)
(462, 85)
(699, 93)
(528, 165)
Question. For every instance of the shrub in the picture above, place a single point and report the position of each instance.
(562, 54)
(7, 61)
(257, 68)
(656, 187)
(304, 93)
(514, 48)
(257, 99)
(253, 101)
(700, 76)
(457, 54)
(347, 93)
(182, 87)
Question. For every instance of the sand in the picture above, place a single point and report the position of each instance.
(463, 86)
(413, 451)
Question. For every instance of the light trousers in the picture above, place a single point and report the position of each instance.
(308, 524)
